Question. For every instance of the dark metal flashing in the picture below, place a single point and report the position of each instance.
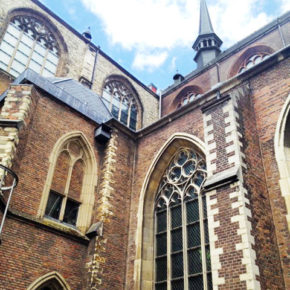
(97, 48)
(232, 50)
(222, 179)
(11, 123)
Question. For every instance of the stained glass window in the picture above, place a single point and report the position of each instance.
(27, 43)
(120, 101)
(182, 253)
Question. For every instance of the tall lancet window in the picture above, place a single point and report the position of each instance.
(182, 254)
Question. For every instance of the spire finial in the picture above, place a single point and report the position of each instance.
(205, 26)
(207, 45)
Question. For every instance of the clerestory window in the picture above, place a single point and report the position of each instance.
(253, 60)
(187, 98)
(182, 253)
(28, 43)
(64, 198)
(120, 101)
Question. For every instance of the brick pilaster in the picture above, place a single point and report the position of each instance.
(231, 240)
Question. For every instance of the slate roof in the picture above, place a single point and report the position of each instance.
(70, 92)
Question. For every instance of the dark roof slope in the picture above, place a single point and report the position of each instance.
(70, 92)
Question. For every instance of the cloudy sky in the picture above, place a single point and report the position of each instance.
(152, 39)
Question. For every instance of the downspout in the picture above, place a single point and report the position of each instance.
(218, 71)
(160, 103)
(95, 65)
(281, 35)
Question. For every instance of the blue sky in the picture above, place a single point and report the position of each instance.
(152, 39)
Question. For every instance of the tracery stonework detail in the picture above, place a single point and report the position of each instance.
(38, 29)
(181, 235)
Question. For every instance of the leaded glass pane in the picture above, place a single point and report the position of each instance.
(52, 58)
(194, 261)
(10, 39)
(206, 232)
(161, 269)
(37, 58)
(208, 261)
(177, 265)
(21, 58)
(161, 286)
(27, 40)
(50, 66)
(161, 244)
(161, 221)
(204, 206)
(196, 283)
(53, 205)
(3, 66)
(40, 49)
(193, 235)
(176, 240)
(13, 30)
(35, 66)
(18, 66)
(177, 284)
(176, 219)
(71, 212)
(24, 49)
(4, 57)
(7, 48)
(192, 211)
(209, 281)
(189, 167)
(47, 73)
(182, 157)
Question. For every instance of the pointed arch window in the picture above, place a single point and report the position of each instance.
(28, 43)
(182, 253)
(121, 102)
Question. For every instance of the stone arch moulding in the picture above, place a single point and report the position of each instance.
(148, 190)
(63, 60)
(248, 53)
(52, 276)
(281, 154)
(90, 179)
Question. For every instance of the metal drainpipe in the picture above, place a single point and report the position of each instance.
(160, 103)
(95, 64)
(281, 35)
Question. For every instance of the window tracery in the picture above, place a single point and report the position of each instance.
(182, 254)
(28, 43)
(120, 101)
(253, 60)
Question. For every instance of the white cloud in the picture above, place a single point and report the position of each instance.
(147, 25)
(285, 6)
(149, 61)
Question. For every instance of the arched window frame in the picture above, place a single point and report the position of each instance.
(116, 91)
(252, 61)
(259, 50)
(186, 96)
(181, 224)
(87, 195)
(144, 259)
(282, 156)
(52, 33)
(52, 278)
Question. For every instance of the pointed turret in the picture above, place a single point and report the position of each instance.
(207, 44)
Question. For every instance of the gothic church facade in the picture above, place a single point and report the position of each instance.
(120, 188)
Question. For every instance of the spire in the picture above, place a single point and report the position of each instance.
(207, 44)
(205, 25)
